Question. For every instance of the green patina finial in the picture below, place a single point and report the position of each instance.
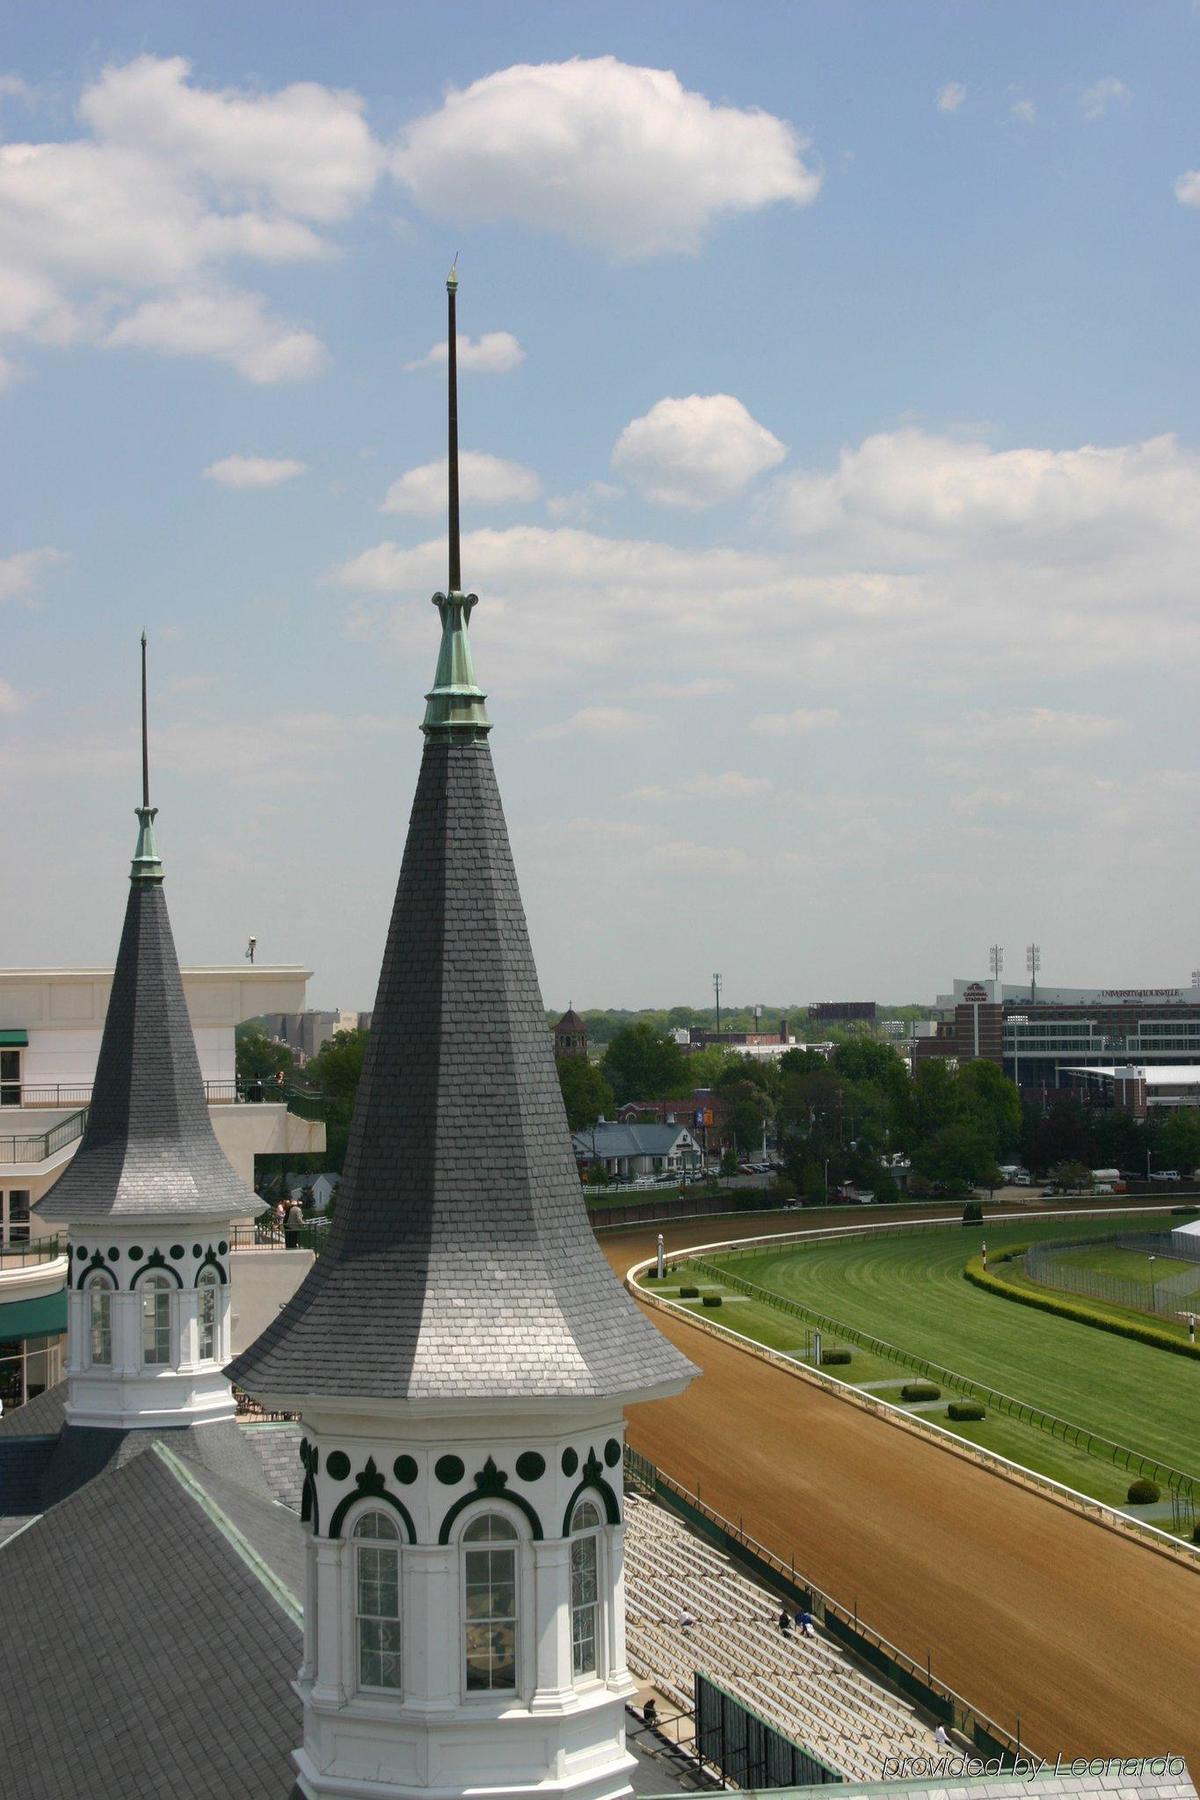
(146, 865)
(455, 703)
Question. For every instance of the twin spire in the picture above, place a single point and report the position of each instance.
(455, 709)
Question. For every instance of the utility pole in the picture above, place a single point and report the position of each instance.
(1033, 962)
(717, 992)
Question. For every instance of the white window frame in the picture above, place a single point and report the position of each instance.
(158, 1286)
(98, 1285)
(392, 1542)
(522, 1607)
(590, 1530)
(208, 1296)
(25, 1225)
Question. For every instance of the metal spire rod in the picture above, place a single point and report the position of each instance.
(455, 586)
(145, 733)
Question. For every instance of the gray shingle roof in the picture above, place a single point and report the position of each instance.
(460, 1263)
(148, 1150)
(142, 1654)
(611, 1139)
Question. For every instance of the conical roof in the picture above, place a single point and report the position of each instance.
(571, 1021)
(148, 1150)
(460, 1263)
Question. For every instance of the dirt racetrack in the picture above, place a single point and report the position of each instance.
(1023, 1606)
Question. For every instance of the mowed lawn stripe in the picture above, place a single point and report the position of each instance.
(910, 1291)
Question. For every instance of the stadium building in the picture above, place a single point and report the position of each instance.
(1055, 1037)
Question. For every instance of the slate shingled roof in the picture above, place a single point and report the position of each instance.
(148, 1150)
(460, 1263)
(145, 1652)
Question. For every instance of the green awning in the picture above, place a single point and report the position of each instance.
(44, 1317)
(13, 1039)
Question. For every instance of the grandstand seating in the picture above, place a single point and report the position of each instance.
(807, 1687)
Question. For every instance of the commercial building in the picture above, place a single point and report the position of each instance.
(1052, 1036)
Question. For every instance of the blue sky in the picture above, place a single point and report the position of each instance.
(834, 502)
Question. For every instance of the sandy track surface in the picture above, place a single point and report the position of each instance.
(1023, 1606)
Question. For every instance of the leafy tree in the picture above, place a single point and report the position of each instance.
(958, 1155)
(1179, 1139)
(862, 1060)
(259, 1056)
(642, 1063)
(729, 1162)
(1061, 1136)
(801, 1062)
(986, 1097)
(1072, 1177)
(335, 1072)
(586, 1095)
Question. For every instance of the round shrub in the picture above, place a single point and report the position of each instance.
(711, 1300)
(689, 1293)
(920, 1390)
(835, 1356)
(650, 1275)
(965, 1409)
(1143, 1491)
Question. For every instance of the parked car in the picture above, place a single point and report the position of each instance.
(1165, 1175)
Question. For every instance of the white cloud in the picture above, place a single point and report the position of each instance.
(494, 353)
(483, 481)
(696, 451)
(700, 689)
(582, 506)
(11, 701)
(170, 184)
(795, 724)
(1187, 188)
(232, 327)
(1025, 110)
(951, 96)
(1095, 101)
(729, 786)
(1034, 728)
(623, 159)
(20, 573)
(253, 471)
(597, 722)
(12, 87)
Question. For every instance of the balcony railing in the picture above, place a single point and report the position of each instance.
(36, 1147)
(78, 1093)
(41, 1249)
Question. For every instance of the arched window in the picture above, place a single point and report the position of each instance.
(377, 1602)
(490, 1603)
(207, 1295)
(98, 1289)
(156, 1320)
(585, 1589)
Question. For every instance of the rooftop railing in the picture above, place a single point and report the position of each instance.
(41, 1249)
(34, 1147)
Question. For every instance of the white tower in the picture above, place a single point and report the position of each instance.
(461, 1353)
(148, 1198)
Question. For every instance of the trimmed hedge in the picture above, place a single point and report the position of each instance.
(711, 1300)
(1070, 1309)
(650, 1275)
(965, 1409)
(689, 1293)
(835, 1356)
(1143, 1492)
(920, 1390)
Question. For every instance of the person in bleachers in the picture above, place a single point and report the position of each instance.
(686, 1620)
(650, 1712)
(804, 1624)
(785, 1622)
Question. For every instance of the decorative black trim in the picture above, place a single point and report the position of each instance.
(114, 1254)
(337, 1465)
(570, 1461)
(157, 1264)
(449, 1470)
(196, 1248)
(81, 1253)
(176, 1252)
(210, 1262)
(222, 1248)
(531, 1465)
(97, 1262)
(310, 1506)
(612, 1453)
(593, 1477)
(491, 1483)
(136, 1253)
(405, 1470)
(370, 1485)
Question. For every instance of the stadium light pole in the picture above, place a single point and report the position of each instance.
(1033, 962)
(717, 992)
(1151, 1262)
